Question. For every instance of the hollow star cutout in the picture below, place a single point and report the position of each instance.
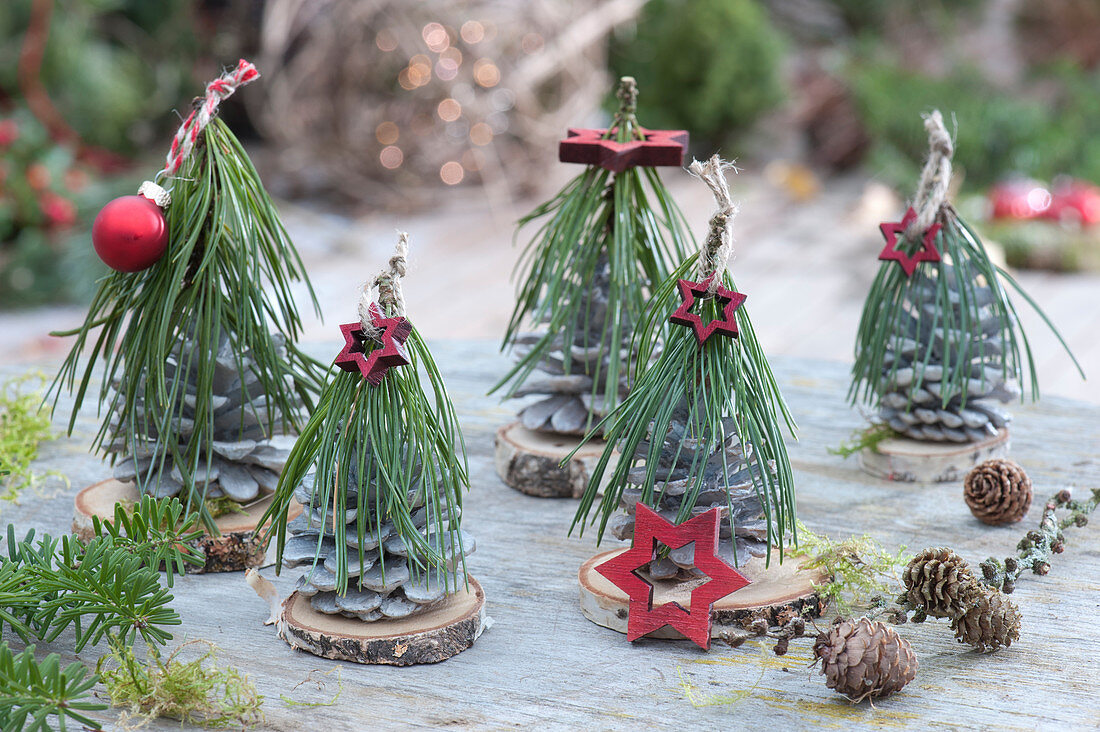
(928, 253)
(391, 353)
(726, 325)
(649, 528)
(659, 148)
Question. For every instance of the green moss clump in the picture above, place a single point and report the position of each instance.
(24, 425)
(863, 574)
(194, 692)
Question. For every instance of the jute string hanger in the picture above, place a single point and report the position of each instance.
(717, 248)
(384, 291)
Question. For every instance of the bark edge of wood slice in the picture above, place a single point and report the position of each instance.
(774, 591)
(529, 461)
(436, 635)
(905, 460)
(235, 549)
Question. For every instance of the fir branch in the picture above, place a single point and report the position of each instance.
(384, 432)
(31, 692)
(228, 274)
(627, 220)
(98, 589)
(156, 531)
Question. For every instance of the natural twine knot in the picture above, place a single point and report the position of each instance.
(385, 289)
(935, 178)
(627, 94)
(717, 248)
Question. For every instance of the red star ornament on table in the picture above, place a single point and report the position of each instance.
(659, 148)
(621, 570)
(726, 325)
(928, 253)
(391, 353)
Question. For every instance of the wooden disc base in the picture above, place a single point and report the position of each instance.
(234, 549)
(914, 461)
(433, 636)
(529, 461)
(774, 591)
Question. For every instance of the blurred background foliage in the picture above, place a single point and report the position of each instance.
(409, 100)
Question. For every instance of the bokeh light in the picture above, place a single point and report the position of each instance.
(391, 157)
(386, 40)
(531, 43)
(472, 32)
(486, 73)
(436, 36)
(449, 110)
(452, 173)
(387, 133)
(481, 134)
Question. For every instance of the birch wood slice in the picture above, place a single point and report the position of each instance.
(529, 461)
(233, 550)
(914, 461)
(430, 637)
(774, 591)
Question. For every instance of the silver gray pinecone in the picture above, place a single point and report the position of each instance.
(727, 481)
(245, 461)
(569, 405)
(912, 396)
(385, 584)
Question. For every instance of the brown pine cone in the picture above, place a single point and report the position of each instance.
(990, 622)
(865, 658)
(939, 582)
(998, 492)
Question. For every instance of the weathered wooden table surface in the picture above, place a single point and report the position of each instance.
(542, 664)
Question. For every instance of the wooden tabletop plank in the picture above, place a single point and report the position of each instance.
(542, 664)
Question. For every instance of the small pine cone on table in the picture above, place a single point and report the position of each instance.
(388, 583)
(244, 462)
(998, 492)
(990, 622)
(865, 659)
(939, 582)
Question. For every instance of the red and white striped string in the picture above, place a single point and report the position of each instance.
(217, 90)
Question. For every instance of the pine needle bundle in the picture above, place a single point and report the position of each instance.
(381, 468)
(698, 404)
(604, 242)
(159, 334)
(936, 342)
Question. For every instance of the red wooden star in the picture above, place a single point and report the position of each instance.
(928, 253)
(660, 147)
(649, 528)
(391, 352)
(726, 325)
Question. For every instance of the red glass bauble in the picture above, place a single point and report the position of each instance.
(130, 233)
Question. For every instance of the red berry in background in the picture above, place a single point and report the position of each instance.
(58, 210)
(130, 233)
(9, 132)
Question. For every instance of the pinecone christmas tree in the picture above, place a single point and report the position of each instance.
(196, 328)
(701, 426)
(608, 238)
(939, 341)
(380, 468)
(243, 462)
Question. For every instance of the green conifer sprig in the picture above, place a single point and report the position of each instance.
(158, 531)
(627, 217)
(35, 695)
(723, 378)
(228, 273)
